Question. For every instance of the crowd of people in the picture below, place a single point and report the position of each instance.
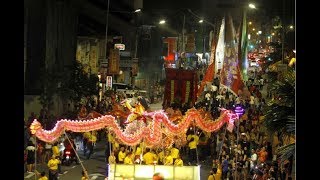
(244, 153)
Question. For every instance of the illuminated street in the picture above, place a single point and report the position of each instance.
(141, 90)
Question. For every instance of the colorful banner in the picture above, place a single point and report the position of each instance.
(114, 58)
(208, 77)
(172, 48)
(220, 49)
(179, 85)
(243, 51)
(230, 74)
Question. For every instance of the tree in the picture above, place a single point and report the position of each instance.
(280, 112)
(76, 83)
(72, 84)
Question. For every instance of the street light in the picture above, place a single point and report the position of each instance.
(201, 21)
(252, 6)
(137, 10)
(162, 21)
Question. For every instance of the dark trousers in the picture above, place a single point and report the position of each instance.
(53, 175)
(90, 148)
(193, 155)
(84, 142)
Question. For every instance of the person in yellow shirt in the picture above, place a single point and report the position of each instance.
(43, 176)
(168, 160)
(53, 167)
(121, 155)
(90, 144)
(137, 154)
(160, 156)
(192, 150)
(56, 153)
(196, 138)
(155, 157)
(214, 175)
(55, 150)
(178, 161)
(211, 176)
(148, 157)
(174, 152)
(129, 158)
(85, 138)
(111, 160)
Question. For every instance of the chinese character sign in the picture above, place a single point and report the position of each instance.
(114, 58)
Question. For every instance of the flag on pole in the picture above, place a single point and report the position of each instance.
(208, 77)
(220, 48)
(230, 74)
(242, 48)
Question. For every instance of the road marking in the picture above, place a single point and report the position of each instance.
(73, 166)
(96, 174)
(94, 177)
(65, 172)
(30, 175)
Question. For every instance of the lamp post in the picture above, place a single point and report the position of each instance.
(106, 37)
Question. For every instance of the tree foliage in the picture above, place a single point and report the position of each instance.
(76, 83)
(72, 84)
(280, 112)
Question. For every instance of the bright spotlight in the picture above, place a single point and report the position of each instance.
(162, 22)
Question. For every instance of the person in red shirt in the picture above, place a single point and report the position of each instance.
(262, 155)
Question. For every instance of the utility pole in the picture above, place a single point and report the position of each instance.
(106, 47)
(184, 21)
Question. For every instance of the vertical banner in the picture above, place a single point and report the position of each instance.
(220, 48)
(243, 43)
(187, 92)
(172, 91)
(113, 63)
(209, 76)
(230, 74)
(172, 48)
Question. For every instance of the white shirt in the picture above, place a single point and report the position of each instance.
(251, 100)
(238, 101)
(253, 159)
(214, 88)
(48, 146)
(208, 96)
(33, 140)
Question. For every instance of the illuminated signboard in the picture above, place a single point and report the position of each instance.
(109, 81)
(121, 47)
